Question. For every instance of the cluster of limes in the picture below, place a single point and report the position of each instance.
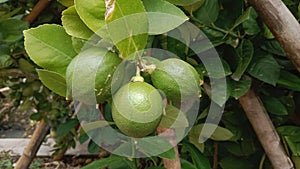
(137, 106)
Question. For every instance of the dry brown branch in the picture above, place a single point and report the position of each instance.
(265, 131)
(37, 9)
(282, 24)
(38, 136)
(170, 164)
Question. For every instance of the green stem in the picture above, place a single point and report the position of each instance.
(134, 162)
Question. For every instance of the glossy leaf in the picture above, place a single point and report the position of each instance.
(170, 154)
(247, 15)
(208, 12)
(186, 164)
(245, 53)
(127, 26)
(66, 127)
(200, 161)
(239, 88)
(251, 27)
(11, 30)
(174, 118)
(5, 61)
(289, 80)
(53, 81)
(50, 47)
(274, 106)
(73, 25)
(163, 16)
(92, 13)
(266, 69)
(66, 3)
(220, 133)
(218, 71)
(235, 163)
(183, 2)
(273, 47)
(93, 147)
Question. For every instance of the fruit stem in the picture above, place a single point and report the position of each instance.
(137, 77)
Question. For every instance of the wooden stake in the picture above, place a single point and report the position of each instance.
(37, 9)
(282, 24)
(265, 131)
(38, 137)
(170, 164)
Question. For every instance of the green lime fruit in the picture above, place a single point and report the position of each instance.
(90, 74)
(177, 79)
(137, 109)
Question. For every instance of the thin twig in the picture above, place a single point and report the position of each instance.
(37, 9)
(216, 149)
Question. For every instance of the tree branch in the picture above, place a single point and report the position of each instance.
(37, 9)
(265, 131)
(170, 133)
(282, 24)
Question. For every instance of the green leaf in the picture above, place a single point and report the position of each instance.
(149, 145)
(216, 72)
(265, 68)
(289, 80)
(219, 133)
(2, 1)
(235, 163)
(73, 25)
(174, 118)
(66, 3)
(273, 47)
(66, 127)
(170, 154)
(239, 88)
(245, 53)
(93, 125)
(208, 12)
(12, 30)
(93, 147)
(92, 13)
(200, 161)
(186, 164)
(247, 15)
(53, 81)
(274, 106)
(36, 116)
(155, 167)
(5, 61)
(112, 160)
(251, 27)
(163, 16)
(50, 47)
(183, 2)
(127, 25)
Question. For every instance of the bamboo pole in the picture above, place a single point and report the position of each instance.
(265, 131)
(282, 24)
(38, 136)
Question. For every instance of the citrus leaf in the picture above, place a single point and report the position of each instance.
(239, 88)
(5, 61)
(163, 16)
(273, 47)
(247, 15)
(92, 13)
(53, 81)
(235, 163)
(219, 134)
(93, 125)
(174, 118)
(66, 3)
(66, 127)
(11, 30)
(208, 12)
(274, 106)
(50, 47)
(200, 161)
(127, 25)
(74, 25)
(170, 154)
(183, 2)
(266, 69)
(186, 164)
(112, 160)
(93, 147)
(245, 53)
(289, 80)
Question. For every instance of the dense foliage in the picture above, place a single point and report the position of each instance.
(250, 55)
